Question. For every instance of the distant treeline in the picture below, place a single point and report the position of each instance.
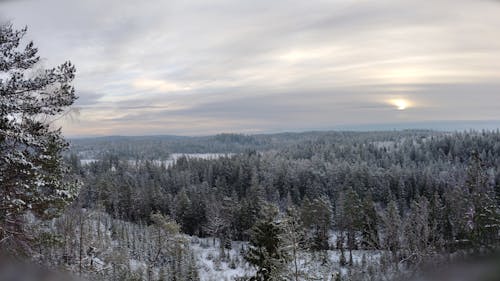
(159, 147)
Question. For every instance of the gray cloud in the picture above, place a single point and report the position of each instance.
(195, 67)
(87, 98)
(322, 109)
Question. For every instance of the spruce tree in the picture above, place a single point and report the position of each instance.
(317, 218)
(483, 212)
(369, 225)
(392, 226)
(352, 219)
(293, 238)
(266, 251)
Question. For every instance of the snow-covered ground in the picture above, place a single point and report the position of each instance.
(116, 243)
(213, 265)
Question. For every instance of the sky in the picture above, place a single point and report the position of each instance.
(204, 67)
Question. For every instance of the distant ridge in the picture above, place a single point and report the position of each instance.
(461, 125)
(444, 126)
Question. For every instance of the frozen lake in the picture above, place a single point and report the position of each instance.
(172, 158)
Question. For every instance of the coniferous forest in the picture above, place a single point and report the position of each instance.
(359, 206)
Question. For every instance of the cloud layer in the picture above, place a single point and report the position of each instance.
(201, 67)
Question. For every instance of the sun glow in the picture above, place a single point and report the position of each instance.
(400, 104)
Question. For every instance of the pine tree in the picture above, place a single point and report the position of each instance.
(33, 174)
(317, 218)
(352, 219)
(392, 227)
(437, 222)
(219, 219)
(293, 239)
(369, 222)
(484, 212)
(164, 240)
(182, 209)
(417, 231)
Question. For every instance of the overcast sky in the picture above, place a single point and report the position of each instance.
(203, 67)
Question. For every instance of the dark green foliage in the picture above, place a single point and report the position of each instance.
(438, 224)
(417, 231)
(349, 218)
(369, 225)
(392, 227)
(265, 251)
(484, 215)
(317, 219)
(33, 176)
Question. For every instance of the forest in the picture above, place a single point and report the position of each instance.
(408, 200)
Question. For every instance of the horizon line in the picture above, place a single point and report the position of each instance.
(436, 126)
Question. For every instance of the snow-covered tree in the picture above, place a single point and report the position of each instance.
(33, 176)
(219, 218)
(483, 214)
(266, 250)
(392, 226)
(317, 218)
(351, 218)
(369, 222)
(293, 238)
(417, 231)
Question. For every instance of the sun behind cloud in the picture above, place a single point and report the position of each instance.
(400, 104)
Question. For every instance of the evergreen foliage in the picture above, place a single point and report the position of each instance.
(266, 251)
(33, 175)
